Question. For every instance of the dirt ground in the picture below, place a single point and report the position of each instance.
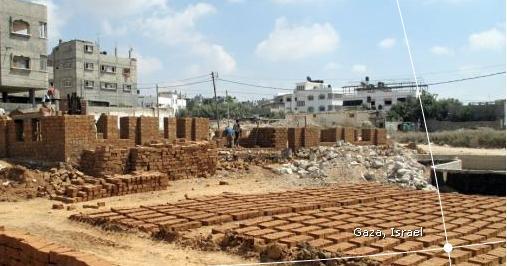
(439, 149)
(37, 217)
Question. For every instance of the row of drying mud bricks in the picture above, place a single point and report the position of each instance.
(179, 161)
(20, 248)
(372, 136)
(114, 186)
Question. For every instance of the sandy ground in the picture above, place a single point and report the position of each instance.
(439, 149)
(37, 217)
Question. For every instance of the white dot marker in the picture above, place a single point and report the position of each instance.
(448, 247)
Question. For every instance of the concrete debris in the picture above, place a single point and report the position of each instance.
(394, 164)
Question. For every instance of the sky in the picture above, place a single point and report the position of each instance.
(277, 43)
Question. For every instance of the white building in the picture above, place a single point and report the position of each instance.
(314, 96)
(172, 100)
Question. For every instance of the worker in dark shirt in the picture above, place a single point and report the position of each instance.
(237, 132)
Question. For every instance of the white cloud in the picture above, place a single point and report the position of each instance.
(332, 67)
(147, 65)
(290, 2)
(108, 29)
(489, 39)
(236, 1)
(387, 43)
(291, 42)
(359, 69)
(118, 8)
(441, 50)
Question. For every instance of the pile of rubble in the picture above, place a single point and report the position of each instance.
(393, 164)
(242, 159)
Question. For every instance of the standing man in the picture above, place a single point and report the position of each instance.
(237, 132)
(229, 132)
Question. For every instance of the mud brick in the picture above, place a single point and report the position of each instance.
(412, 259)
(217, 219)
(276, 210)
(500, 226)
(499, 253)
(169, 223)
(478, 250)
(255, 221)
(430, 240)
(340, 217)
(333, 224)
(289, 226)
(247, 229)
(408, 246)
(474, 238)
(435, 262)
(340, 237)
(294, 240)
(272, 224)
(245, 214)
(363, 241)
(319, 243)
(361, 251)
(484, 259)
(300, 218)
(277, 235)
(465, 230)
(222, 229)
(284, 216)
(323, 233)
(305, 229)
(457, 255)
(340, 247)
(260, 232)
(315, 221)
(185, 226)
(385, 259)
(385, 244)
(460, 221)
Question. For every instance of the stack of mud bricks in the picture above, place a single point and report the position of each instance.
(349, 134)
(380, 137)
(200, 128)
(180, 160)
(184, 128)
(128, 126)
(147, 130)
(303, 137)
(268, 137)
(20, 248)
(367, 136)
(170, 128)
(105, 160)
(3, 136)
(113, 185)
(331, 134)
(295, 137)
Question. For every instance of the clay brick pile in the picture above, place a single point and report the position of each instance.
(105, 160)
(20, 248)
(179, 160)
(326, 217)
(267, 137)
(109, 186)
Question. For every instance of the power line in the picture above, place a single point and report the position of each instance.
(464, 79)
(254, 85)
(173, 81)
(178, 85)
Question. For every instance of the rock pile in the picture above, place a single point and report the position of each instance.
(376, 163)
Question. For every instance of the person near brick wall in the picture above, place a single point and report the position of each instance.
(229, 132)
(237, 132)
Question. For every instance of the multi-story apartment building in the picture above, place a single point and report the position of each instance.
(103, 80)
(23, 48)
(313, 96)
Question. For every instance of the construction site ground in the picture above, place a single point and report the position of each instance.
(126, 248)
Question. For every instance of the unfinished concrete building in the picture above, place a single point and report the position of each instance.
(23, 48)
(102, 80)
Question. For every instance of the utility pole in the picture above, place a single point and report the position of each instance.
(226, 99)
(158, 110)
(217, 116)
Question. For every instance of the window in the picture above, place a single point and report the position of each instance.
(127, 87)
(126, 72)
(67, 83)
(21, 62)
(88, 48)
(43, 30)
(301, 103)
(88, 66)
(289, 99)
(88, 84)
(330, 96)
(388, 101)
(322, 108)
(310, 109)
(108, 69)
(310, 97)
(20, 27)
(43, 63)
(352, 103)
(36, 131)
(322, 97)
(108, 86)
(330, 108)
(401, 99)
(351, 115)
(19, 130)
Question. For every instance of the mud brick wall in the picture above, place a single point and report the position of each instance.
(170, 128)
(79, 134)
(331, 134)
(105, 160)
(295, 138)
(311, 137)
(3, 136)
(128, 125)
(178, 161)
(147, 130)
(349, 134)
(108, 126)
(184, 128)
(200, 128)
(268, 137)
(368, 135)
(380, 136)
(20, 248)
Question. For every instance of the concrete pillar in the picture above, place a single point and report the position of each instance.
(31, 96)
(4, 96)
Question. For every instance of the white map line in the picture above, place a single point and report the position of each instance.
(418, 95)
